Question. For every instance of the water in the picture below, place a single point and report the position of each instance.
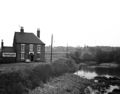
(95, 71)
(108, 73)
(90, 75)
(86, 74)
(111, 89)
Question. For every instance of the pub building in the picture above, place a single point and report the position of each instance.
(27, 47)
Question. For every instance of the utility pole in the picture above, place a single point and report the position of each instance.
(67, 51)
(51, 48)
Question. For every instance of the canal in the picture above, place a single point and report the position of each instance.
(105, 76)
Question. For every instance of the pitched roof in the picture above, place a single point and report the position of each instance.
(8, 49)
(26, 38)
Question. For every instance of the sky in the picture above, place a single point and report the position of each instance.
(72, 22)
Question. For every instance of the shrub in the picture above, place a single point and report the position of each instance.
(59, 68)
(98, 54)
(39, 74)
(63, 65)
(71, 65)
(75, 56)
(19, 82)
(11, 83)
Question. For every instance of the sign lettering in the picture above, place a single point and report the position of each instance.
(9, 54)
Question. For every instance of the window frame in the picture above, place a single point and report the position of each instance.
(31, 47)
(22, 48)
(38, 48)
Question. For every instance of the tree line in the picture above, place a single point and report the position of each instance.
(97, 54)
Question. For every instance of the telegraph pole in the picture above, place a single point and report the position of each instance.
(51, 48)
(67, 51)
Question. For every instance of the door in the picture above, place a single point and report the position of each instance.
(31, 57)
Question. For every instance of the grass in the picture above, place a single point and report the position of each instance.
(18, 66)
(21, 77)
(55, 56)
(11, 83)
(65, 84)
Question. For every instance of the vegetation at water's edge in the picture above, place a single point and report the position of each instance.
(65, 84)
(97, 54)
(22, 81)
(19, 82)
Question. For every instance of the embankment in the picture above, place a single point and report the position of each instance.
(22, 81)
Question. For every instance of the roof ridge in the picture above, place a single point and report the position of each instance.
(25, 32)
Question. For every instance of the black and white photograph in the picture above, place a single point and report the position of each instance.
(59, 46)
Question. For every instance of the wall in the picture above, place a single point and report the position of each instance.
(36, 55)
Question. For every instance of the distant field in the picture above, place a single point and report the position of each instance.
(55, 56)
(58, 52)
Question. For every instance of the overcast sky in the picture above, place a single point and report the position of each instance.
(72, 22)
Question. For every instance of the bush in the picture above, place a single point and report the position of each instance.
(20, 81)
(59, 68)
(40, 74)
(75, 56)
(71, 65)
(108, 56)
(11, 83)
(97, 54)
(63, 65)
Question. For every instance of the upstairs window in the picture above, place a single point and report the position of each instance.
(22, 48)
(38, 48)
(31, 47)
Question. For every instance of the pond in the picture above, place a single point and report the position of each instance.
(106, 78)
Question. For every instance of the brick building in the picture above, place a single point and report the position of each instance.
(26, 47)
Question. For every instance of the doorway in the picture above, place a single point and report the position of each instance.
(31, 57)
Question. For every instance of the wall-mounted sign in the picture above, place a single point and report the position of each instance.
(9, 54)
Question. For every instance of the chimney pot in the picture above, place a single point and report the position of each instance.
(38, 33)
(2, 44)
(22, 29)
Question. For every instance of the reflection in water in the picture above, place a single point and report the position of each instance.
(90, 75)
(109, 73)
(86, 74)
(108, 76)
(111, 89)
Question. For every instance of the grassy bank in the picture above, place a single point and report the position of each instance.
(20, 81)
(65, 84)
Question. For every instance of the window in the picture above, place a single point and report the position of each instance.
(22, 56)
(22, 48)
(31, 47)
(38, 48)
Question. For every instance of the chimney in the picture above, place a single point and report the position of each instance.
(2, 44)
(22, 29)
(38, 33)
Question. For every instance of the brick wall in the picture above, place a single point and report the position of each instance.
(36, 55)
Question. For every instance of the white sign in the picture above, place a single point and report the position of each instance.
(9, 54)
